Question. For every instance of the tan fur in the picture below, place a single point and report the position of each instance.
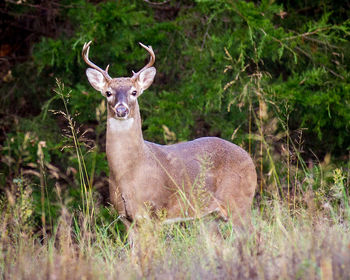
(174, 182)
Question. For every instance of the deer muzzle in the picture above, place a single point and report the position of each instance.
(122, 111)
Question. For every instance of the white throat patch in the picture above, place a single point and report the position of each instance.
(119, 125)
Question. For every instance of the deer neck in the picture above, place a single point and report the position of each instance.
(125, 145)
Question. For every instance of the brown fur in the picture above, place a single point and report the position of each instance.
(147, 173)
(184, 180)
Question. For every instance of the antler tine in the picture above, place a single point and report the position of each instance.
(85, 54)
(149, 64)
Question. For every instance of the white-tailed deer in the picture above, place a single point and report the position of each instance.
(178, 182)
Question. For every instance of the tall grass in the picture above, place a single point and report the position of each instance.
(307, 245)
(85, 182)
(300, 229)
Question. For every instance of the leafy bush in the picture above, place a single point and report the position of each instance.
(303, 65)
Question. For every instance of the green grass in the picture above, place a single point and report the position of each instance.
(307, 244)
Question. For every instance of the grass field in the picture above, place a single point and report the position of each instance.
(282, 244)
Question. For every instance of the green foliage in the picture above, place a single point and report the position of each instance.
(298, 63)
(253, 72)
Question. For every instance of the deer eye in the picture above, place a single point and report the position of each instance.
(108, 93)
(134, 93)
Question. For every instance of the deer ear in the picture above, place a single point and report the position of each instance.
(96, 79)
(146, 77)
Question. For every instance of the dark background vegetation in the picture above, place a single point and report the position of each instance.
(271, 76)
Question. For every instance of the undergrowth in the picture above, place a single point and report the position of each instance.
(300, 229)
(309, 244)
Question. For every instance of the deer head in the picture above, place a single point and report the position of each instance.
(121, 93)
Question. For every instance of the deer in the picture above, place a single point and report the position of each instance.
(146, 177)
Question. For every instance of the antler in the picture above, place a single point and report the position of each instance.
(149, 64)
(85, 54)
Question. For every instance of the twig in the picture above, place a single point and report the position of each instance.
(304, 52)
(321, 42)
(157, 3)
(206, 34)
(307, 33)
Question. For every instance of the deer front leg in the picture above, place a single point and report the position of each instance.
(116, 197)
(119, 204)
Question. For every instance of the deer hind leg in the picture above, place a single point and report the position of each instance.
(233, 197)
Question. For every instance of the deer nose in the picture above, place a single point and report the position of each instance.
(122, 111)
